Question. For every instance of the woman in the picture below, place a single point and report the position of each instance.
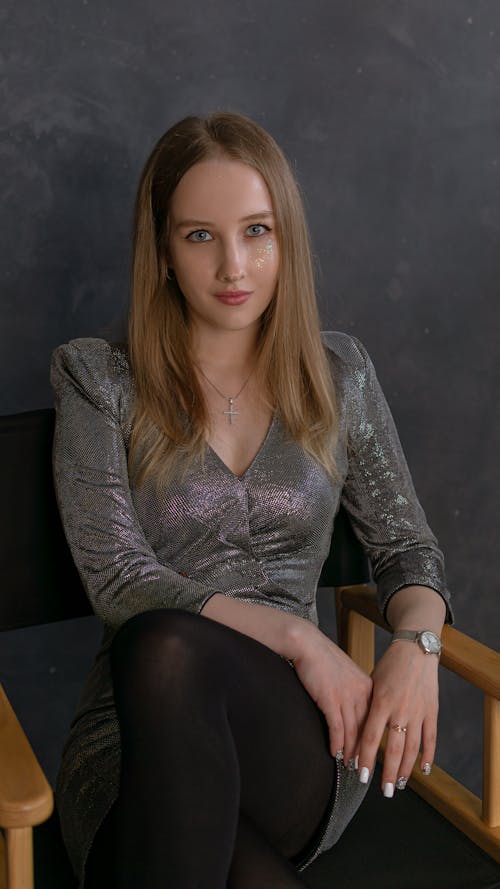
(222, 739)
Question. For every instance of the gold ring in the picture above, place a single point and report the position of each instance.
(399, 728)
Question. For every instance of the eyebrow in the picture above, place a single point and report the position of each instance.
(185, 223)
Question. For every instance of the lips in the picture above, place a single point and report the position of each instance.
(233, 297)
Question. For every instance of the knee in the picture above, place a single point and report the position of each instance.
(162, 632)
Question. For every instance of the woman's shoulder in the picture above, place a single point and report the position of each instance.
(345, 351)
(95, 367)
(353, 373)
(92, 358)
(93, 348)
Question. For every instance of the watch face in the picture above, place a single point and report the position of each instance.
(430, 642)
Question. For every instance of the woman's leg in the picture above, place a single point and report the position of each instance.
(226, 770)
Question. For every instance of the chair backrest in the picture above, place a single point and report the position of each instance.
(40, 583)
(347, 562)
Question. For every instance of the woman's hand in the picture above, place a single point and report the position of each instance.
(341, 690)
(405, 694)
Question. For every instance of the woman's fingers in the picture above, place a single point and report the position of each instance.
(429, 738)
(345, 727)
(336, 731)
(370, 742)
(403, 742)
(344, 701)
(350, 733)
(354, 713)
(402, 745)
(405, 700)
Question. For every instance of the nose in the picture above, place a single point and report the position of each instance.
(231, 279)
(231, 264)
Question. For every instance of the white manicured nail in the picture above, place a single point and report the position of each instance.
(364, 775)
(388, 790)
(356, 762)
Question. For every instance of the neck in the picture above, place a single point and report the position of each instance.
(225, 351)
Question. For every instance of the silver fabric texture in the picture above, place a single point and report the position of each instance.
(261, 538)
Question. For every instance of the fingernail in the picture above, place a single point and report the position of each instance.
(364, 775)
(350, 765)
(339, 755)
(426, 768)
(401, 783)
(356, 762)
(388, 790)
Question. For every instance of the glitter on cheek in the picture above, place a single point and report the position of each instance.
(263, 255)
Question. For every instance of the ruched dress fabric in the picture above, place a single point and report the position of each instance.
(261, 538)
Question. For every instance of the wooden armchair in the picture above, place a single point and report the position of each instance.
(405, 843)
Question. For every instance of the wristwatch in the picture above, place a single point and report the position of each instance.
(428, 641)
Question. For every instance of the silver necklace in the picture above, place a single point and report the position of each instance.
(231, 412)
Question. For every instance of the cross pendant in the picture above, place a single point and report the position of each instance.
(232, 412)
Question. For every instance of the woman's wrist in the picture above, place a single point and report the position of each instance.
(417, 608)
(302, 634)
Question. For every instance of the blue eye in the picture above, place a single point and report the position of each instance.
(257, 229)
(199, 236)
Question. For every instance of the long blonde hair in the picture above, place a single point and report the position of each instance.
(170, 419)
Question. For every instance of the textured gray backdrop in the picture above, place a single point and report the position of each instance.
(390, 114)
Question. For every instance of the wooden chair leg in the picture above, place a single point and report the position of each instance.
(19, 858)
(3, 862)
(491, 762)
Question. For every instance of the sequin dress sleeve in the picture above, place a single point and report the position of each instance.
(119, 569)
(378, 492)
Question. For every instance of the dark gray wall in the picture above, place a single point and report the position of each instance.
(390, 113)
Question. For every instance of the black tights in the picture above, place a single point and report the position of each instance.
(226, 770)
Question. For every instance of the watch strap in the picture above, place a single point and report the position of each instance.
(408, 635)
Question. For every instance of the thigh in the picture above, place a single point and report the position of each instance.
(281, 736)
(287, 771)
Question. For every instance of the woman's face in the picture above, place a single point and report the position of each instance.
(223, 246)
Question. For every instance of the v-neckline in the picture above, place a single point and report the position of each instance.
(256, 457)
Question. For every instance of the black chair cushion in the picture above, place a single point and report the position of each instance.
(402, 843)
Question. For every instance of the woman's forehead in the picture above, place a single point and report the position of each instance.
(220, 185)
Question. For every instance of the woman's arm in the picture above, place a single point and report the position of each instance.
(378, 492)
(416, 608)
(408, 567)
(280, 631)
(119, 569)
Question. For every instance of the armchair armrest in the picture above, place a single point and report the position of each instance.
(357, 613)
(25, 795)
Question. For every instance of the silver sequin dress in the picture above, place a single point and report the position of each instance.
(261, 538)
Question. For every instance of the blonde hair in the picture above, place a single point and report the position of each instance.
(170, 419)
